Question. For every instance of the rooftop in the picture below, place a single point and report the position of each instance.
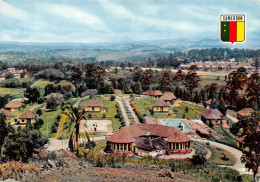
(93, 103)
(128, 133)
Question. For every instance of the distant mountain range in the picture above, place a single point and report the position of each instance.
(121, 51)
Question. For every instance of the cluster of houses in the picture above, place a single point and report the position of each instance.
(165, 101)
(221, 65)
(17, 73)
(30, 117)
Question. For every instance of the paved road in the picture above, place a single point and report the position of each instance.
(235, 152)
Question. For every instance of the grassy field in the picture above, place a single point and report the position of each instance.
(11, 91)
(144, 105)
(217, 155)
(42, 83)
(49, 117)
(207, 80)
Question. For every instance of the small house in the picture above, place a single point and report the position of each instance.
(212, 117)
(245, 112)
(118, 91)
(93, 106)
(240, 143)
(160, 106)
(27, 116)
(14, 105)
(153, 93)
(89, 92)
(169, 97)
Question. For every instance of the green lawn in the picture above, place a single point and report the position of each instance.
(49, 117)
(145, 104)
(11, 91)
(217, 155)
(42, 83)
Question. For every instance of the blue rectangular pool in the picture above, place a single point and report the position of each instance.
(179, 124)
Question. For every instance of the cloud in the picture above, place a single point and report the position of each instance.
(77, 15)
(11, 11)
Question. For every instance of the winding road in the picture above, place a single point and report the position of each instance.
(235, 152)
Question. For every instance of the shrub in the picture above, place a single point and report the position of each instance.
(112, 98)
(40, 100)
(39, 112)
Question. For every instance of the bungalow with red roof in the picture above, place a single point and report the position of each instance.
(14, 105)
(212, 117)
(161, 106)
(153, 93)
(244, 112)
(148, 140)
(93, 106)
(27, 116)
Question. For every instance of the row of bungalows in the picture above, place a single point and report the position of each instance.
(164, 103)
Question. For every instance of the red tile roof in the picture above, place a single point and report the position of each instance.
(14, 104)
(208, 102)
(5, 112)
(160, 103)
(212, 114)
(168, 96)
(152, 92)
(28, 115)
(128, 133)
(93, 103)
(245, 111)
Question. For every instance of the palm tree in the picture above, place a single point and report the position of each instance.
(75, 115)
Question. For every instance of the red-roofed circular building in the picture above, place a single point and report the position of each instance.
(148, 139)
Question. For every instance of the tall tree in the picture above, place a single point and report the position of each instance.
(235, 83)
(249, 128)
(3, 130)
(253, 90)
(32, 94)
(75, 115)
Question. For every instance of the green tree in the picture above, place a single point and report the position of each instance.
(3, 130)
(51, 103)
(19, 146)
(248, 126)
(32, 94)
(75, 116)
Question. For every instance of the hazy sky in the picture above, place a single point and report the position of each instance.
(120, 20)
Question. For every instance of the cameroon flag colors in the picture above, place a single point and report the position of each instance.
(232, 30)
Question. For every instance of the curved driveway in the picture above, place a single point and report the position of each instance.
(235, 152)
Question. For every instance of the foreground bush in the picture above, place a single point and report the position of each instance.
(15, 170)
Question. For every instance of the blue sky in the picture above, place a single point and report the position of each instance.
(120, 20)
